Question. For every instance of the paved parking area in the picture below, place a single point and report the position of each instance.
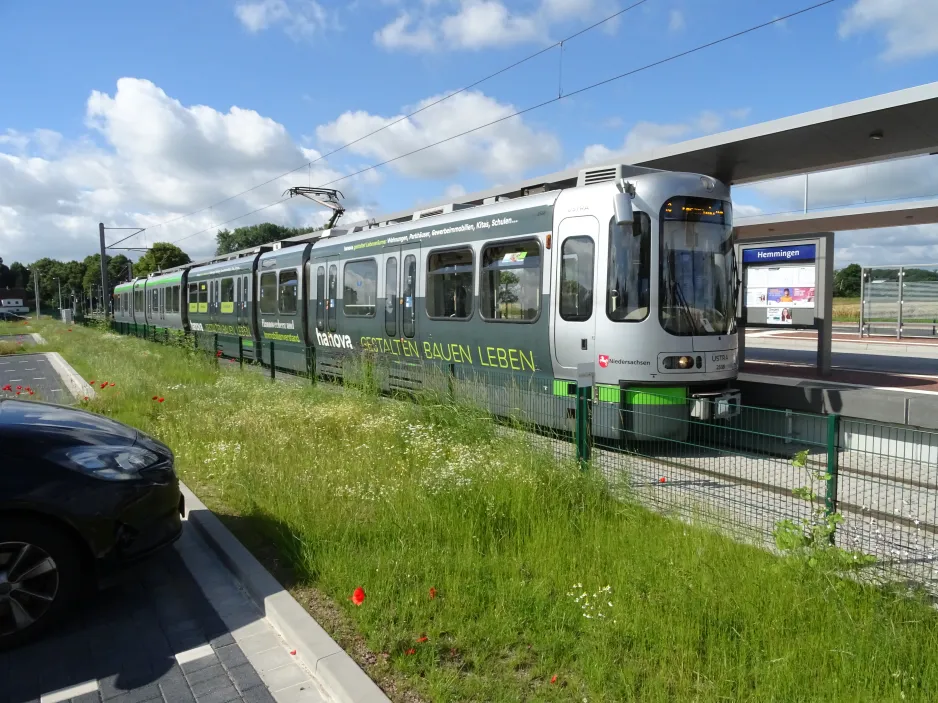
(34, 371)
(175, 628)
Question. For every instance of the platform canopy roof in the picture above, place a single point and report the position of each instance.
(887, 126)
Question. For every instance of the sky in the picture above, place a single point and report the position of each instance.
(160, 115)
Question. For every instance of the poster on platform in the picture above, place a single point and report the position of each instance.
(778, 316)
(780, 287)
(791, 296)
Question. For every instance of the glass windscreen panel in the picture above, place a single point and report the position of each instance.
(629, 288)
(697, 293)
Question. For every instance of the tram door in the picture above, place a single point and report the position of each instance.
(576, 253)
(400, 294)
(323, 294)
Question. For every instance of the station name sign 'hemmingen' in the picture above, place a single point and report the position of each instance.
(768, 255)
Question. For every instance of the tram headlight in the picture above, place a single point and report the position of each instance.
(678, 362)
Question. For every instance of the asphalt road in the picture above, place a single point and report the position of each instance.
(35, 372)
(844, 360)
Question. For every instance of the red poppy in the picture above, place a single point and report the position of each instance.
(411, 651)
(293, 652)
(358, 597)
(31, 393)
(160, 400)
(19, 388)
(432, 593)
(422, 639)
(111, 383)
(92, 382)
(68, 330)
(28, 388)
(554, 679)
(218, 353)
(8, 387)
(662, 480)
(155, 397)
(17, 392)
(86, 397)
(104, 384)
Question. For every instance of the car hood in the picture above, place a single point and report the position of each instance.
(29, 419)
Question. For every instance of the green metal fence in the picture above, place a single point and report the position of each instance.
(779, 478)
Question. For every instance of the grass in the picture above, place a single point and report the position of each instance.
(340, 489)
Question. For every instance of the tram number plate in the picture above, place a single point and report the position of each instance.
(722, 361)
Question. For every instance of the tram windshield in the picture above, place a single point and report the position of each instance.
(698, 267)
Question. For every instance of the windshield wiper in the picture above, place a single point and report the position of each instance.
(685, 308)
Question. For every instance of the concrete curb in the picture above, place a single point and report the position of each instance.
(335, 669)
(76, 385)
(37, 338)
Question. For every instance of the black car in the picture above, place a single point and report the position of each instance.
(80, 496)
(6, 315)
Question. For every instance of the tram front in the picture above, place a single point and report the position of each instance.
(697, 289)
(672, 274)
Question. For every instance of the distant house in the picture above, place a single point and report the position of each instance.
(13, 300)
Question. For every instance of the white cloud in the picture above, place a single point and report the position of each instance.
(675, 21)
(910, 246)
(505, 149)
(478, 24)
(159, 159)
(400, 35)
(644, 136)
(299, 18)
(454, 190)
(909, 27)
(484, 23)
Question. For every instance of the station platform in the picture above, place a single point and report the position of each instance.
(881, 379)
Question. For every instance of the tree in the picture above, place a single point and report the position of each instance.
(6, 278)
(118, 269)
(847, 281)
(255, 235)
(20, 275)
(162, 255)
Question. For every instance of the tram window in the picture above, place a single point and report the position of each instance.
(289, 285)
(227, 290)
(269, 293)
(576, 279)
(244, 290)
(390, 296)
(333, 292)
(203, 297)
(174, 299)
(409, 314)
(321, 298)
(360, 288)
(449, 284)
(510, 283)
(193, 297)
(628, 289)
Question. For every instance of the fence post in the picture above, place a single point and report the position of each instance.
(166, 335)
(240, 351)
(215, 348)
(584, 413)
(310, 365)
(833, 442)
(195, 341)
(273, 362)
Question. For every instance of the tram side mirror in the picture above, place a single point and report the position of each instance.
(622, 204)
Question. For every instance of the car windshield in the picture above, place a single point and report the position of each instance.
(698, 267)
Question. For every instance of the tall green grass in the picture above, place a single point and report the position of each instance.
(537, 571)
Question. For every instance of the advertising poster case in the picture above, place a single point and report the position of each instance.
(780, 281)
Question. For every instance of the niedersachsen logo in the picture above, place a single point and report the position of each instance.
(605, 360)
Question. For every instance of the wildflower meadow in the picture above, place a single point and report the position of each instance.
(464, 564)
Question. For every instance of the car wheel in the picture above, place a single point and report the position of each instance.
(40, 576)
